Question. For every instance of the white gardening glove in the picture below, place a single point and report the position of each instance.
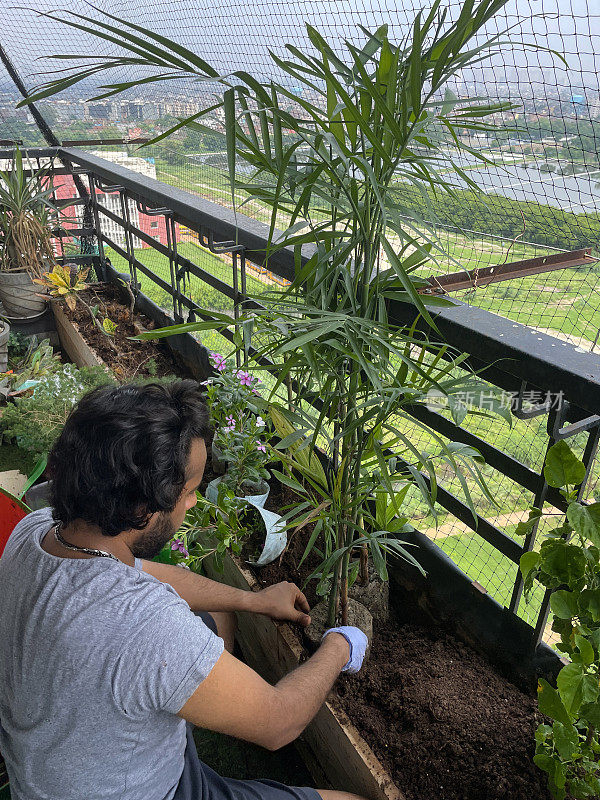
(358, 643)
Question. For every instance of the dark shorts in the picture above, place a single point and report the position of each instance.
(208, 620)
(199, 782)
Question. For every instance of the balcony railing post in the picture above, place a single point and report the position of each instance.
(124, 201)
(238, 267)
(93, 201)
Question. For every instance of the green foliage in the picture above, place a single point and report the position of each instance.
(241, 433)
(36, 421)
(502, 216)
(373, 119)
(25, 226)
(18, 345)
(569, 562)
(209, 529)
(38, 361)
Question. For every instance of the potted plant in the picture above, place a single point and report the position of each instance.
(25, 237)
(229, 396)
(241, 446)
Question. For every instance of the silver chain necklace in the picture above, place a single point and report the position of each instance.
(89, 550)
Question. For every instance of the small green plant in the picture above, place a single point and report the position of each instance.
(36, 421)
(568, 563)
(230, 392)
(152, 367)
(243, 443)
(18, 345)
(210, 529)
(241, 435)
(35, 364)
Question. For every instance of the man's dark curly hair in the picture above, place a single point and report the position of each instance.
(123, 452)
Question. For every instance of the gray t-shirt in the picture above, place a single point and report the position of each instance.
(96, 659)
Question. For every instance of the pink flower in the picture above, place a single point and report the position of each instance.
(230, 420)
(218, 361)
(245, 378)
(177, 544)
(260, 446)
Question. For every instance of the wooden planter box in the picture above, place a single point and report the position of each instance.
(331, 746)
(71, 340)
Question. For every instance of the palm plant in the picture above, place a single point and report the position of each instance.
(25, 229)
(331, 165)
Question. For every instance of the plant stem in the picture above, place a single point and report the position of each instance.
(590, 735)
(344, 588)
(364, 558)
(96, 323)
(333, 596)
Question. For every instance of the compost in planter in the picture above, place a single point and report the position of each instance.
(127, 359)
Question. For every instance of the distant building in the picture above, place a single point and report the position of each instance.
(155, 227)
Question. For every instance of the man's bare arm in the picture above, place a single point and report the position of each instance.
(283, 601)
(235, 700)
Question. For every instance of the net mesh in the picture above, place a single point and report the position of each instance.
(541, 195)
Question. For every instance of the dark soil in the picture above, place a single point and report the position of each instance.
(127, 359)
(442, 721)
(439, 717)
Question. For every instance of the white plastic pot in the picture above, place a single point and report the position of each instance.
(276, 534)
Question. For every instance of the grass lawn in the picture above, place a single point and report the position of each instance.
(563, 301)
(481, 562)
(197, 290)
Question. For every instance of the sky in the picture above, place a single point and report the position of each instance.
(237, 33)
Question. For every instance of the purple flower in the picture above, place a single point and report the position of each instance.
(260, 446)
(245, 378)
(218, 362)
(177, 544)
(230, 420)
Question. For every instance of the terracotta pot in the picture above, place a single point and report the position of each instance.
(19, 295)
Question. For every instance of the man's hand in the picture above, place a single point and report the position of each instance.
(283, 601)
(357, 642)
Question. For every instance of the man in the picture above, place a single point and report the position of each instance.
(102, 661)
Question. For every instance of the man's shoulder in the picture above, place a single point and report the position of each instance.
(36, 521)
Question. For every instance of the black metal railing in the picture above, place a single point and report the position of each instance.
(510, 356)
